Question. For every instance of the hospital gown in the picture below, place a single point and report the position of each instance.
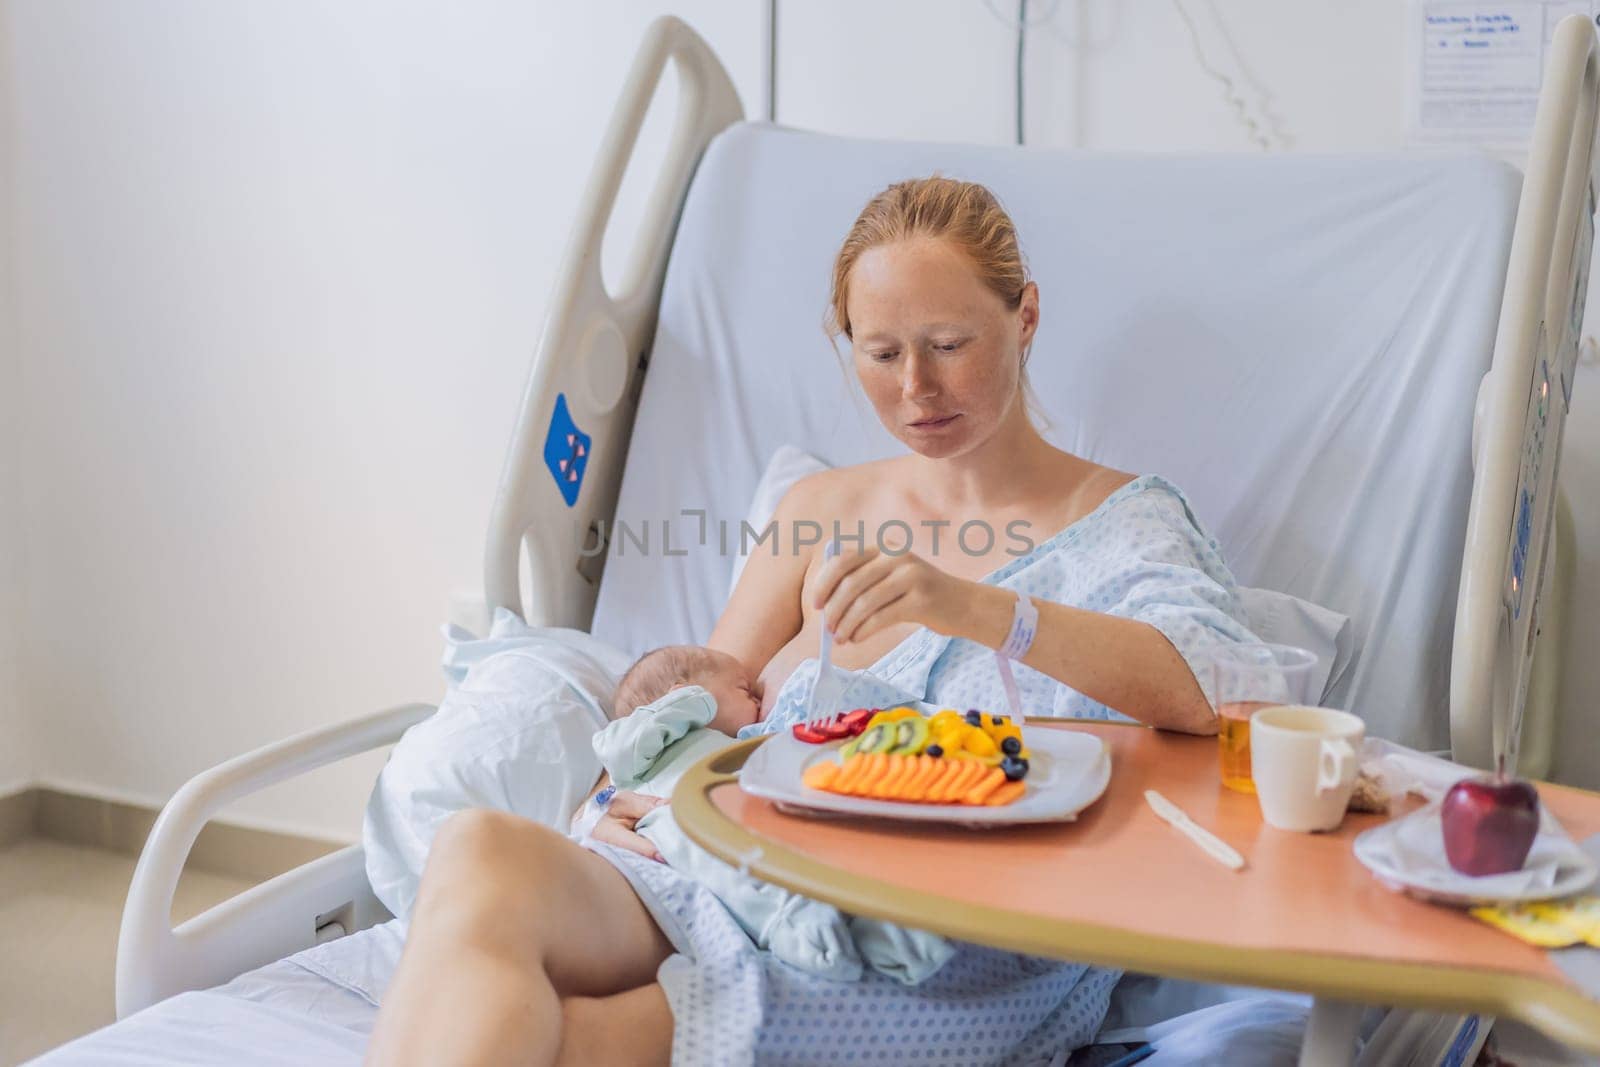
(1139, 555)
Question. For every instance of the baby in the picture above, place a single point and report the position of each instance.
(675, 706)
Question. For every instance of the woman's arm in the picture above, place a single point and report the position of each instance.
(1126, 664)
(763, 613)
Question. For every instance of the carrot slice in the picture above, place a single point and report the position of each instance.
(917, 788)
(1006, 793)
(964, 777)
(940, 791)
(900, 767)
(877, 767)
(820, 774)
(986, 785)
(850, 773)
(930, 783)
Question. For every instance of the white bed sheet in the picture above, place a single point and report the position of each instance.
(1296, 341)
(317, 1006)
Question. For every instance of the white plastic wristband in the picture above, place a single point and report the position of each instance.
(1024, 624)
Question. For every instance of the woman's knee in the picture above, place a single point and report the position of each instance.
(483, 869)
(479, 837)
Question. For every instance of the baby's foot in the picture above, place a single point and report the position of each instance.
(815, 938)
(908, 956)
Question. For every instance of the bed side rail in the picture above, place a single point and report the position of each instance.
(1521, 413)
(268, 921)
(593, 348)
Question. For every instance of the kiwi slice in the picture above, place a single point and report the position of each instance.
(879, 738)
(910, 736)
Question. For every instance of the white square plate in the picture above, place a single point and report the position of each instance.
(1068, 771)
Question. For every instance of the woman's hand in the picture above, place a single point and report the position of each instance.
(860, 593)
(622, 815)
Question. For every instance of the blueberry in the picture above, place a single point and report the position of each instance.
(1014, 767)
(1010, 746)
(974, 717)
(998, 720)
(933, 750)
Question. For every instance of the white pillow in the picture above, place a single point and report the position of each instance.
(1275, 617)
(512, 733)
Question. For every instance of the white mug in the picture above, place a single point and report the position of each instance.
(1304, 763)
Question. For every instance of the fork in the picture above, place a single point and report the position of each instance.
(823, 693)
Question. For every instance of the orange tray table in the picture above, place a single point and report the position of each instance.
(1120, 888)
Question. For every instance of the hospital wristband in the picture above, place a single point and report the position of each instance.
(1024, 624)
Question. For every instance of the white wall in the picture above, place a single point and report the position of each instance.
(17, 746)
(283, 267)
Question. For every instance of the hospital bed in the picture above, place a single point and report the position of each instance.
(1358, 367)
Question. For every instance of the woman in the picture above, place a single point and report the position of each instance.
(526, 947)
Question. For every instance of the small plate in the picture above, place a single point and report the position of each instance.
(1067, 772)
(1439, 883)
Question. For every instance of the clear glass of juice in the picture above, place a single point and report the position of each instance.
(1247, 677)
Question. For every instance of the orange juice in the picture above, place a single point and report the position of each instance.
(1234, 738)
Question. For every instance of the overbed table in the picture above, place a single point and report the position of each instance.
(1120, 888)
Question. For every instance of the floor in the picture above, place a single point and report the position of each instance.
(60, 906)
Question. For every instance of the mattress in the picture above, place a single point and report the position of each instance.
(317, 1006)
(1296, 341)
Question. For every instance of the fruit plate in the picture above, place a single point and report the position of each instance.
(1407, 855)
(1068, 771)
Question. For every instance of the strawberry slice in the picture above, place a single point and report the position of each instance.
(810, 733)
(845, 724)
(856, 721)
(834, 727)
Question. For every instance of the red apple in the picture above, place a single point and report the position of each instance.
(1489, 824)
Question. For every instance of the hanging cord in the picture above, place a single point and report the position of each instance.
(1022, 51)
(1230, 92)
(1021, 24)
(771, 29)
(1011, 23)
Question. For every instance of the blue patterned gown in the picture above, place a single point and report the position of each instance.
(1140, 555)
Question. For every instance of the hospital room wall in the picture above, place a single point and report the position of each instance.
(285, 266)
(17, 746)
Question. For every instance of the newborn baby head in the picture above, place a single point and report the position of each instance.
(661, 670)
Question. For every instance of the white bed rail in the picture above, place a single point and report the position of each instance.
(594, 345)
(264, 923)
(1507, 563)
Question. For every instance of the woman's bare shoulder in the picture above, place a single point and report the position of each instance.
(827, 494)
(1093, 483)
(1108, 480)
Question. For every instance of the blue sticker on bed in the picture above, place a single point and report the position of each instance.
(566, 451)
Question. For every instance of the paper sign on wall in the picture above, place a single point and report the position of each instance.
(1475, 69)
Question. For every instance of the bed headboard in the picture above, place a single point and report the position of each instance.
(1296, 341)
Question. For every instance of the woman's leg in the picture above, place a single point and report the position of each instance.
(510, 918)
(632, 1028)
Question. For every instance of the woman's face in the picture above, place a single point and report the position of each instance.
(937, 352)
